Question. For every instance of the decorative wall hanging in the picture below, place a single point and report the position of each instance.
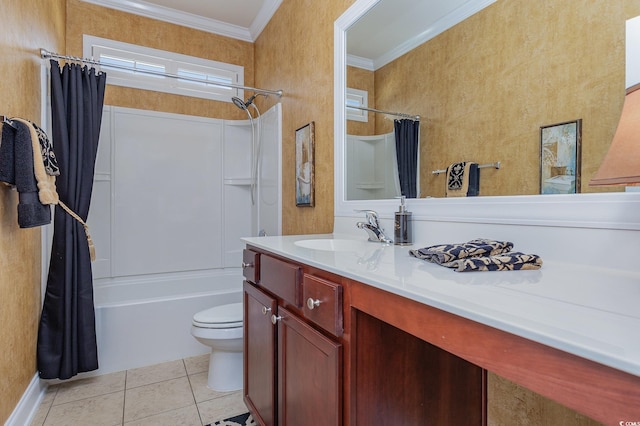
(305, 176)
(560, 160)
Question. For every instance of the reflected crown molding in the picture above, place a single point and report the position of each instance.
(458, 15)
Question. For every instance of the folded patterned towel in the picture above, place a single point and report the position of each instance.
(444, 253)
(512, 261)
(463, 180)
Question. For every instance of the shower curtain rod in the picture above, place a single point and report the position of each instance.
(45, 54)
(398, 114)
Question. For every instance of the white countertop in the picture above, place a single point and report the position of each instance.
(591, 312)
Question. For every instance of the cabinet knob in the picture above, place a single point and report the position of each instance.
(311, 303)
(275, 319)
(247, 265)
(265, 310)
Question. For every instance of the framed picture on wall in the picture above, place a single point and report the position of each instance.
(560, 158)
(305, 179)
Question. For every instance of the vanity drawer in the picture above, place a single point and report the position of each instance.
(322, 303)
(251, 265)
(281, 278)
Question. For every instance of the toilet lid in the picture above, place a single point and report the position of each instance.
(223, 316)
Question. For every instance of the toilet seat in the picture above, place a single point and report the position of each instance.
(223, 316)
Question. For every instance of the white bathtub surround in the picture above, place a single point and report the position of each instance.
(173, 192)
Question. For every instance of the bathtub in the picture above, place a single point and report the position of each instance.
(147, 320)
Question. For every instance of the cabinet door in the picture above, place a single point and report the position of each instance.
(259, 355)
(309, 373)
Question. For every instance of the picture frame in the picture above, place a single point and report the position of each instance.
(305, 166)
(560, 158)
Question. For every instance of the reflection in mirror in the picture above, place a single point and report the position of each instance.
(384, 166)
(484, 87)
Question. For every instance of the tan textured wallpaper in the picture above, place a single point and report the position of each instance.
(86, 18)
(486, 86)
(295, 53)
(26, 26)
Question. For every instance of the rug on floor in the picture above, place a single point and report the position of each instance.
(239, 420)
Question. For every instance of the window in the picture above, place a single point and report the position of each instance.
(357, 98)
(151, 69)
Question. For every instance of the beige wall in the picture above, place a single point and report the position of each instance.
(86, 18)
(27, 26)
(486, 86)
(295, 53)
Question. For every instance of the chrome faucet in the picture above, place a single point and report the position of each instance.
(373, 228)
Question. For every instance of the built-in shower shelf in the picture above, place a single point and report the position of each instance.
(370, 185)
(238, 181)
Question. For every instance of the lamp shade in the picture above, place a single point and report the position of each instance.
(621, 166)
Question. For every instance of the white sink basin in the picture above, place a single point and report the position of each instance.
(332, 244)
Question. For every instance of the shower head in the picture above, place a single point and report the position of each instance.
(242, 104)
(239, 103)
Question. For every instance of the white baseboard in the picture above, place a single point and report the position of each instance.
(28, 404)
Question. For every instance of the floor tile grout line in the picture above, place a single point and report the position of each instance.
(44, 420)
(124, 395)
(193, 393)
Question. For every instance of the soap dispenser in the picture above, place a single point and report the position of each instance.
(403, 226)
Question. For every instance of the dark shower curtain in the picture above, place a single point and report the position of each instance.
(67, 336)
(407, 133)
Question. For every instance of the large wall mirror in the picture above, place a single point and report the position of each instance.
(484, 76)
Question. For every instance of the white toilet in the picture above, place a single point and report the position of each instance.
(220, 328)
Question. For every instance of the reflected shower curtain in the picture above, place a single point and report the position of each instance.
(407, 133)
(67, 336)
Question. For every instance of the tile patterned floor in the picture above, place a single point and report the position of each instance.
(173, 393)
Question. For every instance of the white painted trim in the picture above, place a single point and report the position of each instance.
(173, 16)
(29, 403)
(360, 62)
(599, 211)
(269, 8)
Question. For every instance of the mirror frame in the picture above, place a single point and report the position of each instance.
(613, 210)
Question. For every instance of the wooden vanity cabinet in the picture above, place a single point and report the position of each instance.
(309, 374)
(259, 355)
(293, 364)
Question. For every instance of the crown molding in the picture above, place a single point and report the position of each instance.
(268, 9)
(173, 16)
